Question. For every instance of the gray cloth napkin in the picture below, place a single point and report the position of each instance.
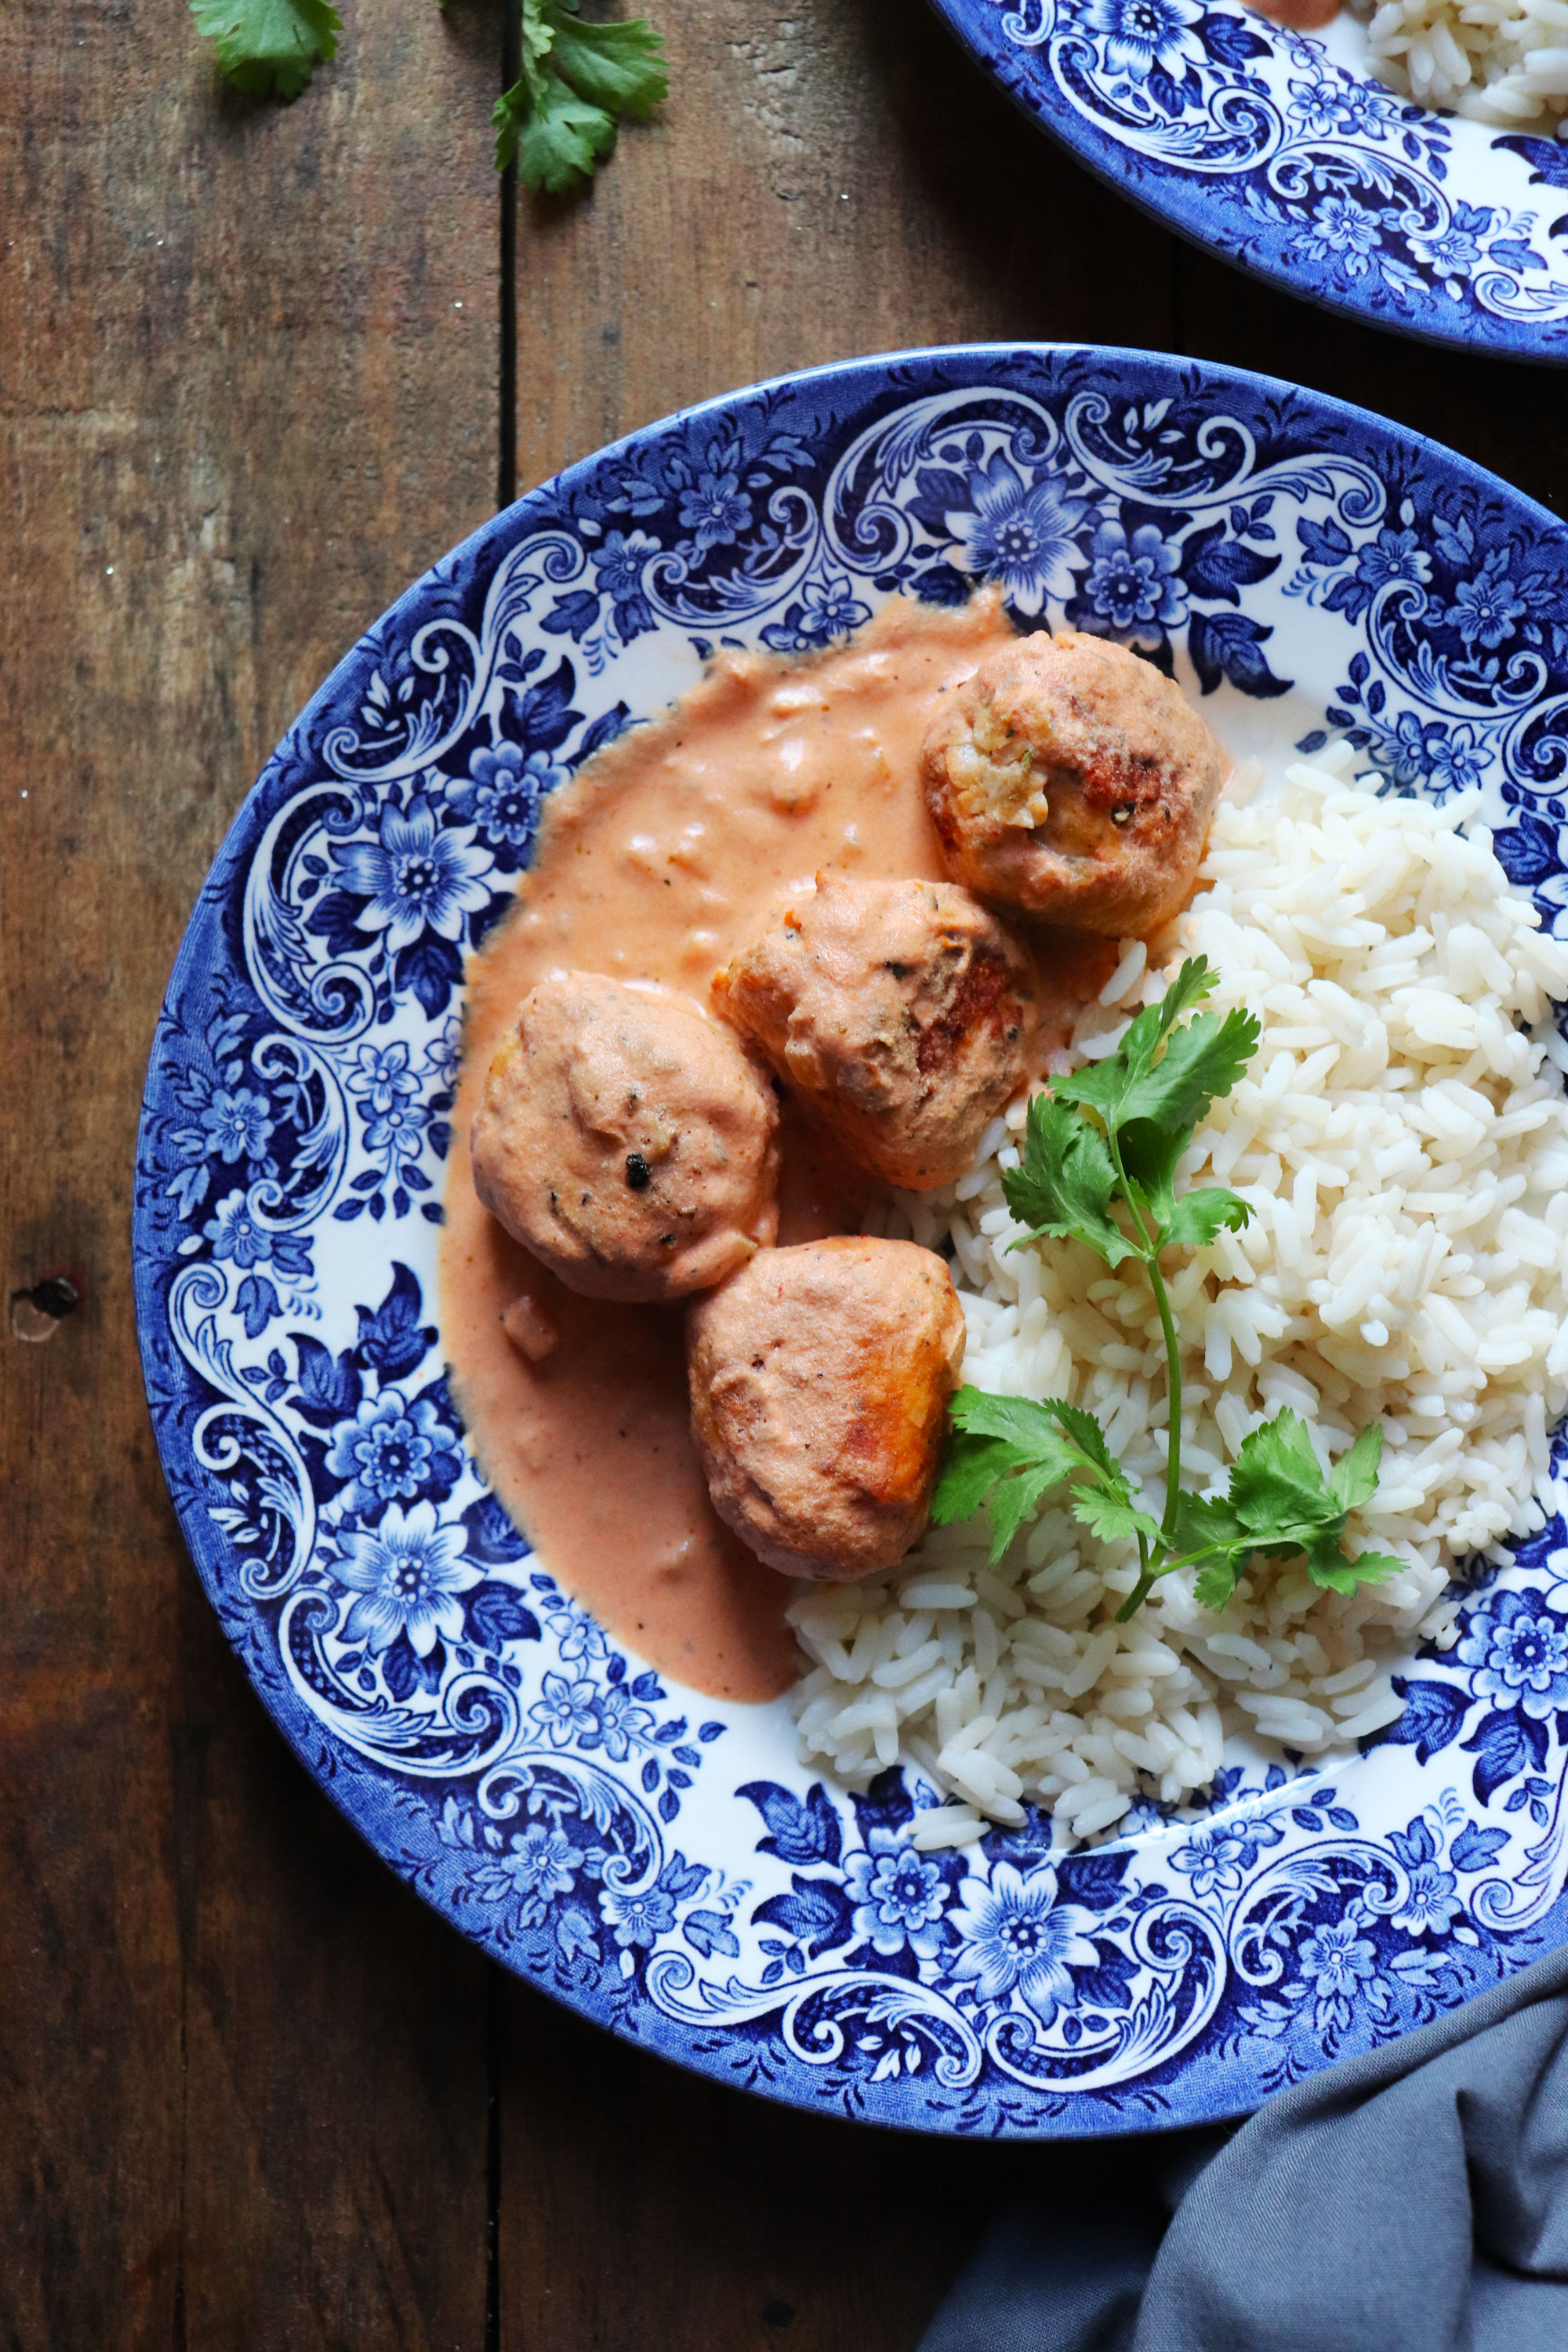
(1414, 2200)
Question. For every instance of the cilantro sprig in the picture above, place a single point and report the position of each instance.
(559, 117)
(1099, 1166)
(558, 120)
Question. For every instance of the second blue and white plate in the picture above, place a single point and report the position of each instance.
(1278, 149)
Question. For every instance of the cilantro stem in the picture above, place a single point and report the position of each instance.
(1148, 1236)
(1174, 1396)
(1139, 1594)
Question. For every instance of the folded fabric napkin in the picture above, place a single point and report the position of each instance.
(1414, 2200)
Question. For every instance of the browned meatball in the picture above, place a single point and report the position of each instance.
(1070, 779)
(820, 1381)
(627, 1140)
(900, 1013)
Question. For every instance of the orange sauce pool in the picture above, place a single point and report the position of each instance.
(655, 863)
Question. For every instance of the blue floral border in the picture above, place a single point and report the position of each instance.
(657, 1860)
(1254, 140)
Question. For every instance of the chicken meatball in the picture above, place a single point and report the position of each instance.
(627, 1140)
(820, 1380)
(1072, 779)
(900, 1013)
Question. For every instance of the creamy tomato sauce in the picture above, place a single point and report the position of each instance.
(659, 859)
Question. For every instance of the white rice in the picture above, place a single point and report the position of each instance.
(1498, 62)
(1402, 1137)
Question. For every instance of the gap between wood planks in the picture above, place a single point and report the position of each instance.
(505, 470)
(492, 2156)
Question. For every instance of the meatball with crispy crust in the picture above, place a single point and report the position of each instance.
(627, 1140)
(1072, 779)
(899, 1012)
(820, 1381)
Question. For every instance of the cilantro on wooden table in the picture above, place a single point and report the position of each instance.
(269, 49)
(559, 117)
(1099, 1166)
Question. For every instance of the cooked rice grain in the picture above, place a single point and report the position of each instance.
(1401, 1137)
(1494, 60)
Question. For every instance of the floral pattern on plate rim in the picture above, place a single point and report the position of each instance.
(1255, 139)
(657, 1860)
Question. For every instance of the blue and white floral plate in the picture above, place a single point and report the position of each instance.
(1279, 150)
(655, 1859)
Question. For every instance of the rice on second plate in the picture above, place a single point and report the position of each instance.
(1504, 62)
(1404, 1144)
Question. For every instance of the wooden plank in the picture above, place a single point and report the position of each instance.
(335, 2039)
(835, 180)
(248, 390)
(643, 2206)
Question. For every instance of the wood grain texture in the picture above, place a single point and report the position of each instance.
(822, 182)
(645, 2207)
(243, 2079)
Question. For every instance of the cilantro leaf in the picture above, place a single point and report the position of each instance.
(1192, 1221)
(1015, 1500)
(1353, 1478)
(269, 49)
(1200, 1064)
(538, 34)
(1022, 1424)
(557, 139)
(1102, 1497)
(559, 117)
(1110, 1513)
(1285, 1505)
(617, 66)
(1278, 1482)
(1328, 1565)
(1149, 1094)
(1056, 1432)
(1066, 1180)
(1085, 1433)
(1214, 1585)
(1208, 1523)
(1006, 1453)
(1154, 1090)
(1209, 1535)
(971, 1467)
(1108, 1086)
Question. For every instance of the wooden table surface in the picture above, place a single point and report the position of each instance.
(258, 367)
